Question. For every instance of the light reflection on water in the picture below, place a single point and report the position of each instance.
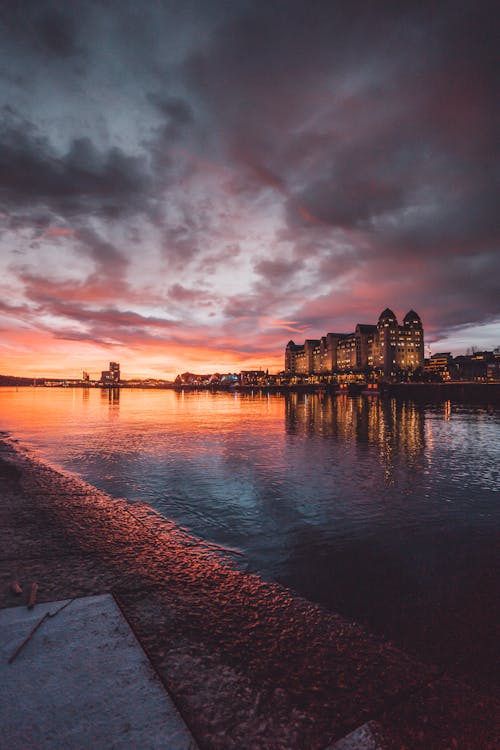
(384, 510)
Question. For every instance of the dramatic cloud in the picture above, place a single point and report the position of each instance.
(192, 184)
(82, 181)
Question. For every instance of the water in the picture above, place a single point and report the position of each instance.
(385, 511)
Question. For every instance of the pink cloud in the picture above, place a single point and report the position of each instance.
(59, 232)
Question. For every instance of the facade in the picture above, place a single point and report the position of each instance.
(385, 347)
(439, 365)
(480, 366)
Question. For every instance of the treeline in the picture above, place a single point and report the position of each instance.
(14, 380)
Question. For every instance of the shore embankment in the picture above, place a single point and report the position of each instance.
(249, 664)
(459, 391)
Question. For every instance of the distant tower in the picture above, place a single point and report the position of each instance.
(111, 377)
(290, 357)
(86, 377)
(413, 337)
(387, 330)
(114, 371)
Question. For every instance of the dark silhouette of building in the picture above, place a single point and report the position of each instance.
(111, 377)
(479, 366)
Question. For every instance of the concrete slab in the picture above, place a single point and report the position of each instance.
(365, 737)
(82, 681)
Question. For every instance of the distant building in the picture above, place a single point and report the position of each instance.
(253, 377)
(385, 347)
(111, 377)
(478, 366)
(439, 365)
(192, 379)
(114, 369)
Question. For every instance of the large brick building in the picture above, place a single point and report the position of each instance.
(385, 347)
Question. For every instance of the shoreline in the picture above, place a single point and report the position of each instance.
(463, 392)
(248, 663)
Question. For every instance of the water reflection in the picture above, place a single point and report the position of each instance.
(394, 427)
(447, 410)
(111, 396)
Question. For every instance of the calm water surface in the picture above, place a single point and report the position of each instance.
(385, 511)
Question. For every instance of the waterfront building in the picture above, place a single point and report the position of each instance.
(439, 365)
(253, 377)
(111, 376)
(386, 347)
(114, 369)
(479, 366)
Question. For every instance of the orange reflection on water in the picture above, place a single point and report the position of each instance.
(394, 427)
(121, 419)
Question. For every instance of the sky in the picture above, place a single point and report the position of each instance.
(189, 184)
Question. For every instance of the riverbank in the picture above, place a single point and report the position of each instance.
(459, 391)
(248, 663)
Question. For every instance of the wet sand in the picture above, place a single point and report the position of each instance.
(249, 664)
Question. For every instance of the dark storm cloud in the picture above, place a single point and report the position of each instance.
(46, 28)
(58, 33)
(81, 181)
(177, 113)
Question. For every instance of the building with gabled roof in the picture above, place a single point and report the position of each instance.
(385, 347)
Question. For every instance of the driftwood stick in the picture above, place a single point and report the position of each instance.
(15, 588)
(33, 593)
(33, 630)
(28, 637)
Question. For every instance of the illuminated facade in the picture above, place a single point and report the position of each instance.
(386, 347)
(440, 364)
